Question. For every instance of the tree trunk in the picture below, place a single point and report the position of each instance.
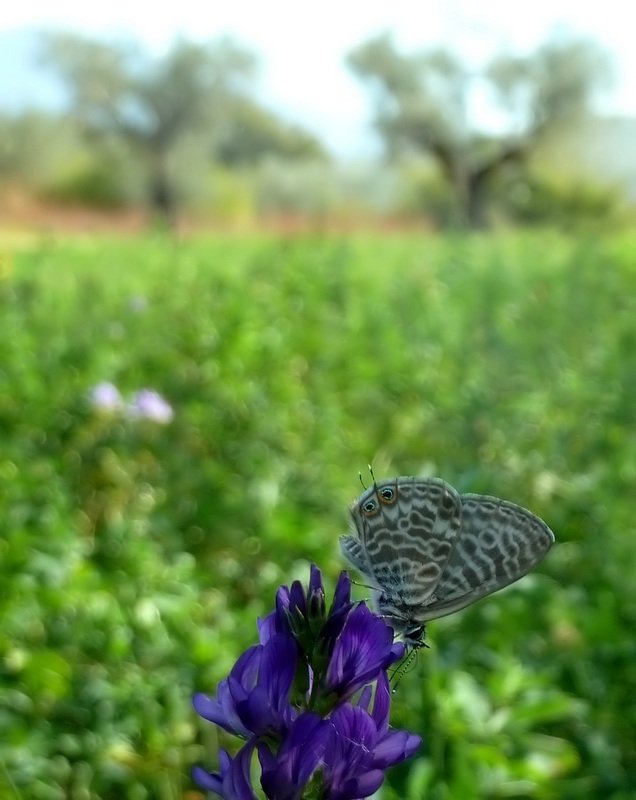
(476, 199)
(469, 196)
(163, 200)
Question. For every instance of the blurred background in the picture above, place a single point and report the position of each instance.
(244, 252)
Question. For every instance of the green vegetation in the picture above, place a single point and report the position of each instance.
(136, 556)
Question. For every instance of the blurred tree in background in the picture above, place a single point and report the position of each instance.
(196, 97)
(185, 131)
(30, 145)
(253, 131)
(476, 124)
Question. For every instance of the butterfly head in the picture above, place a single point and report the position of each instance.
(413, 635)
(374, 503)
(371, 501)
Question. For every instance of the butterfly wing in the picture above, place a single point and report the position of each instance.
(499, 542)
(406, 528)
(352, 550)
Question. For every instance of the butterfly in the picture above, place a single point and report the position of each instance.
(428, 551)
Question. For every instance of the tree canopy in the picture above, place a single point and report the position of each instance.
(473, 123)
(202, 92)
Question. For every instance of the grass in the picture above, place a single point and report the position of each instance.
(137, 556)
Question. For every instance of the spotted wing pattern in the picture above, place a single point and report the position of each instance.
(406, 528)
(352, 550)
(498, 543)
(428, 551)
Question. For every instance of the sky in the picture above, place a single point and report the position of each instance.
(302, 46)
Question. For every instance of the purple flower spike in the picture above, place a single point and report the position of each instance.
(364, 648)
(291, 697)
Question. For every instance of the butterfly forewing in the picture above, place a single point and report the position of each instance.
(406, 528)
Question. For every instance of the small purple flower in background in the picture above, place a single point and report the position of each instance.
(150, 405)
(106, 397)
(302, 700)
(145, 404)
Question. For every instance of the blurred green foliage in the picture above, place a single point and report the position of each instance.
(135, 557)
(92, 182)
(566, 203)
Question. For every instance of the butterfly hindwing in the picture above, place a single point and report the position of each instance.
(352, 550)
(499, 542)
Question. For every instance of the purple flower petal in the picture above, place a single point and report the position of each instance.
(395, 747)
(239, 784)
(150, 405)
(208, 780)
(361, 652)
(315, 594)
(364, 700)
(258, 688)
(285, 775)
(342, 594)
(233, 782)
(348, 754)
(381, 703)
(365, 785)
(267, 708)
(266, 627)
(357, 753)
(286, 610)
(221, 712)
(106, 397)
(254, 698)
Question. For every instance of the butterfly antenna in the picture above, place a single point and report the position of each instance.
(370, 468)
(362, 481)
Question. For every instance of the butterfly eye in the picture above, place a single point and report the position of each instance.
(387, 495)
(369, 507)
(447, 501)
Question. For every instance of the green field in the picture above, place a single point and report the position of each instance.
(136, 556)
